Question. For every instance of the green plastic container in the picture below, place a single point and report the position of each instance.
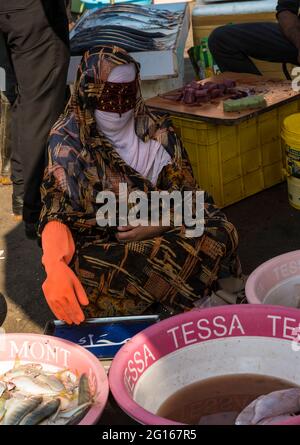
(77, 6)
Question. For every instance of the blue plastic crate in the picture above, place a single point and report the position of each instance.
(103, 337)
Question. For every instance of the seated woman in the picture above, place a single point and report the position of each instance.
(107, 136)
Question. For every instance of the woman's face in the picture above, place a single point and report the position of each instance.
(120, 90)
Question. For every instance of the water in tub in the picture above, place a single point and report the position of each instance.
(220, 400)
(285, 293)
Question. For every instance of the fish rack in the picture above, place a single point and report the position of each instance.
(162, 67)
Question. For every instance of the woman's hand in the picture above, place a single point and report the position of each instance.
(64, 293)
(139, 233)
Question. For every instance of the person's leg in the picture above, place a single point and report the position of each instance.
(37, 37)
(5, 140)
(8, 96)
(172, 270)
(232, 45)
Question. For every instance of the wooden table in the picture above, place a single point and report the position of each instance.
(276, 93)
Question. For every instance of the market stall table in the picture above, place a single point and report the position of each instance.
(235, 155)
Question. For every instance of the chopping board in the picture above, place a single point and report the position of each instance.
(276, 93)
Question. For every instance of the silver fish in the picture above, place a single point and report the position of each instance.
(73, 416)
(17, 409)
(84, 395)
(32, 386)
(3, 401)
(277, 403)
(29, 396)
(51, 381)
(3, 388)
(140, 11)
(32, 369)
(274, 420)
(68, 379)
(41, 413)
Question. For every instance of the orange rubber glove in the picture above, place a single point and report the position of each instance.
(62, 289)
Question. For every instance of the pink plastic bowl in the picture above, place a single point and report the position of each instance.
(54, 354)
(276, 282)
(205, 343)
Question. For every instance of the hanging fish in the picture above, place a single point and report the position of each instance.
(133, 30)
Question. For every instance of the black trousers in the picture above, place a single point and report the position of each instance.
(10, 78)
(37, 40)
(8, 96)
(232, 45)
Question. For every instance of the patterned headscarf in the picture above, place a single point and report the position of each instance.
(92, 76)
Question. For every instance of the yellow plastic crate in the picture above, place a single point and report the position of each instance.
(234, 162)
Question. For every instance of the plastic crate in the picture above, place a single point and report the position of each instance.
(234, 162)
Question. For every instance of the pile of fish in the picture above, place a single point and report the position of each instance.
(197, 93)
(272, 408)
(30, 395)
(131, 27)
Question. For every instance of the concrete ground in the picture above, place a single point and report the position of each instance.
(267, 226)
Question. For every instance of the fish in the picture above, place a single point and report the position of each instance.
(133, 39)
(149, 21)
(84, 394)
(147, 28)
(41, 413)
(2, 409)
(135, 20)
(277, 403)
(3, 388)
(274, 420)
(32, 369)
(78, 47)
(3, 398)
(138, 10)
(30, 395)
(131, 42)
(135, 31)
(68, 379)
(16, 409)
(51, 381)
(73, 416)
(32, 386)
(130, 27)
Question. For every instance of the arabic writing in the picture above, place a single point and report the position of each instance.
(91, 342)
